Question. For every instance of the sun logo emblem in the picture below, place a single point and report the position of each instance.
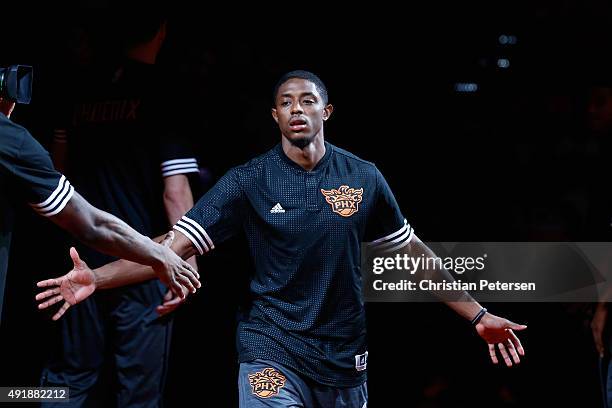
(267, 383)
(344, 201)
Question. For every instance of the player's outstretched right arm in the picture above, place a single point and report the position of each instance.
(81, 281)
(110, 235)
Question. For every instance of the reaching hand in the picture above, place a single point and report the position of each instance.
(171, 303)
(499, 331)
(74, 287)
(174, 272)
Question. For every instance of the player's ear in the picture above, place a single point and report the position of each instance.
(275, 115)
(327, 111)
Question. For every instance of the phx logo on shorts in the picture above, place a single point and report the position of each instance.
(344, 201)
(267, 383)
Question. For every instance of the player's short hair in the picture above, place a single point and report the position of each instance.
(301, 74)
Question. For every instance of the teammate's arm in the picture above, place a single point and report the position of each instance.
(598, 323)
(59, 151)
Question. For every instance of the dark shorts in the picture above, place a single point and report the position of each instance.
(113, 337)
(264, 383)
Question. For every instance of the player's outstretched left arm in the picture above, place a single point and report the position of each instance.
(499, 335)
(496, 331)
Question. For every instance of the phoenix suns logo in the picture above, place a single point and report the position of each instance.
(344, 201)
(267, 383)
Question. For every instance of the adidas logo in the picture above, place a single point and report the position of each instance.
(277, 209)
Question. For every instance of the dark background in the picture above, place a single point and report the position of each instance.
(519, 159)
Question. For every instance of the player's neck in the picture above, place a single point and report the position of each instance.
(308, 157)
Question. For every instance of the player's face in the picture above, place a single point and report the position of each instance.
(300, 111)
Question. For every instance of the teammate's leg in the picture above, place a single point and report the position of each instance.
(80, 355)
(141, 343)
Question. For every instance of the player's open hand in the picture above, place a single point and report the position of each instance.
(174, 272)
(72, 288)
(497, 331)
(170, 304)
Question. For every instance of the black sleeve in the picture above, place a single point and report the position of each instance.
(387, 229)
(217, 216)
(177, 156)
(30, 166)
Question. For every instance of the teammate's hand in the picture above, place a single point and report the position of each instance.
(74, 287)
(597, 327)
(174, 272)
(497, 331)
(171, 303)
